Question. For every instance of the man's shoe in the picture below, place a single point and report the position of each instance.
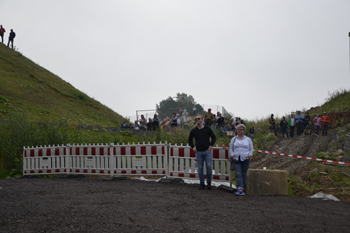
(209, 186)
(240, 193)
(201, 187)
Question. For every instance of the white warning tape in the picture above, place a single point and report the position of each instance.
(301, 157)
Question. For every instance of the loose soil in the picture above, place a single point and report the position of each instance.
(94, 205)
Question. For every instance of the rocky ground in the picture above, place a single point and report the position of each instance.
(310, 177)
(94, 205)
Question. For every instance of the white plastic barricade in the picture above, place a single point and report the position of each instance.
(182, 163)
(44, 160)
(140, 159)
(89, 159)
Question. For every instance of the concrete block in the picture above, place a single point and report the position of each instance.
(266, 182)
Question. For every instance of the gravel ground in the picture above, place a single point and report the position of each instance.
(94, 205)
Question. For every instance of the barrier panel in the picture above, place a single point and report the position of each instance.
(140, 159)
(89, 159)
(44, 160)
(182, 163)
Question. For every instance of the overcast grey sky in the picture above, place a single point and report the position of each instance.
(253, 57)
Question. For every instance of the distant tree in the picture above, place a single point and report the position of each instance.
(182, 101)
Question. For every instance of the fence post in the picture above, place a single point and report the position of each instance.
(111, 159)
(67, 158)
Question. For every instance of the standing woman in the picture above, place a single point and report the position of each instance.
(241, 151)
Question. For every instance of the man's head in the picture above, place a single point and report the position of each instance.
(325, 113)
(284, 117)
(209, 109)
(124, 121)
(165, 115)
(298, 112)
(292, 115)
(199, 119)
(271, 115)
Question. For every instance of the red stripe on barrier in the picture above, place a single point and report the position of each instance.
(154, 172)
(85, 171)
(77, 170)
(25, 172)
(102, 172)
(93, 151)
(57, 151)
(143, 150)
(193, 175)
(48, 171)
(181, 175)
(227, 178)
(163, 150)
(85, 150)
(102, 151)
(57, 170)
(31, 171)
(133, 150)
(40, 171)
(171, 151)
(143, 172)
(123, 172)
(48, 152)
(181, 152)
(163, 172)
(216, 154)
(40, 152)
(122, 151)
(192, 154)
(93, 171)
(114, 151)
(216, 177)
(31, 153)
(153, 150)
(226, 154)
(171, 174)
(133, 172)
(278, 153)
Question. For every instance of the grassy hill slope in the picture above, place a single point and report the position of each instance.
(30, 90)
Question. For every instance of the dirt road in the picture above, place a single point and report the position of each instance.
(94, 205)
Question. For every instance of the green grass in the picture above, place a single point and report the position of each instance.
(28, 88)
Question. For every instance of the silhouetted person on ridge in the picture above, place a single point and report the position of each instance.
(2, 31)
(11, 38)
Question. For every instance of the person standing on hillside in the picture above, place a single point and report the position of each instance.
(291, 123)
(284, 127)
(273, 124)
(205, 140)
(325, 122)
(11, 38)
(2, 31)
(209, 118)
(143, 122)
(317, 123)
(306, 123)
(299, 120)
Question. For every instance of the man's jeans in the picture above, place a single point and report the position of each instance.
(241, 170)
(285, 130)
(324, 130)
(291, 131)
(208, 158)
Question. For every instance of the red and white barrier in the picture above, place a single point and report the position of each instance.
(89, 159)
(140, 159)
(44, 160)
(182, 163)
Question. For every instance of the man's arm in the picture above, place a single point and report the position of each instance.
(190, 139)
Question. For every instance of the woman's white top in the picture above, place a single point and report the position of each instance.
(241, 149)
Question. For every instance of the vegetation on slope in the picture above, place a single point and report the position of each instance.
(30, 89)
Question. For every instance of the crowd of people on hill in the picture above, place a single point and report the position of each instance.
(12, 36)
(301, 123)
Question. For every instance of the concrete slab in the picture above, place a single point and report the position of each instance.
(267, 182)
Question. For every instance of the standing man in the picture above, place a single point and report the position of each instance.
(299, 120)
(325, 122)
(194, 110)
(317, 123)
(291, 123)
(284, 127)
(273, 124)
(209, 118)
(11, 38)
(203, 149)
(2, 31)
